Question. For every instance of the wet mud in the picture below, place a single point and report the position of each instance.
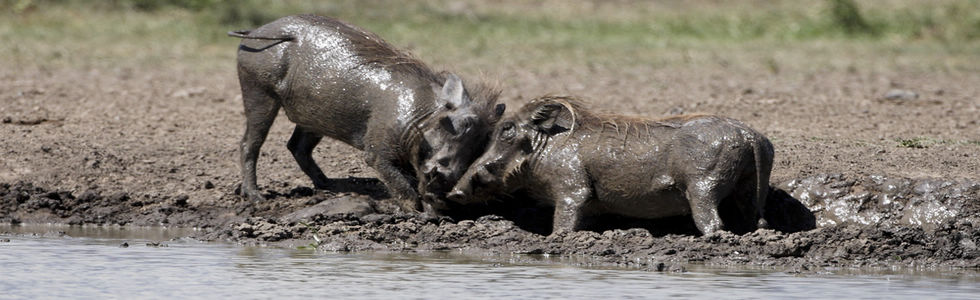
(140, 146)
(819, 222)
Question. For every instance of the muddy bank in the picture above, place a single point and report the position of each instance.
(820, 221)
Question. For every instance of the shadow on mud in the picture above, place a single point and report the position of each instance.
(783, 213)
(371, 187)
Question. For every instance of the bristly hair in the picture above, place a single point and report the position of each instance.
(485, 97)
(487, 90)
(585, 118)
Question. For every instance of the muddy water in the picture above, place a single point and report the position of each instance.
(90, 262)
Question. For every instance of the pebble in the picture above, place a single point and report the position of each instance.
(904, 95)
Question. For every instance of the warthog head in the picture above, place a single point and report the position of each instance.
(454, 135)
(514, 140)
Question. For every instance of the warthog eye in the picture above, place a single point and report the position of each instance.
(425, 149)
(526, 146)
(493, 167)
(507, 131)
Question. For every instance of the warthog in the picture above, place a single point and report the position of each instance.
(586, 164)
(418, 129)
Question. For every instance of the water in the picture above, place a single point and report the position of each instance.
(88, 263)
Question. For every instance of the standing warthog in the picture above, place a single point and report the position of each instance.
(586, 164)
(415, 126)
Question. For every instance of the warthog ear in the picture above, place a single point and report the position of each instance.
(451, 93)
(552, 117)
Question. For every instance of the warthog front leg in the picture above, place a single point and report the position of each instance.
(568, 209)
(704, 196)
(398, 183)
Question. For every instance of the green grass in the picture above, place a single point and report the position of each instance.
(917, 143)
(925, 142)
(775, 35)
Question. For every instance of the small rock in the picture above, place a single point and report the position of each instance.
(377, 218)
(208, 185)
(7, 120)
(181, 200)
(188, 92)
(331, 207)
(119, 197)
(489, 218)
(124, 245)
(534, 251)
(677, 269)
(335, 247)
(302, 191)
(904, 95)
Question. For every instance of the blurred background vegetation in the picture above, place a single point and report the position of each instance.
(779, 34)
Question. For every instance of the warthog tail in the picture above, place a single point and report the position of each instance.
(245, 34)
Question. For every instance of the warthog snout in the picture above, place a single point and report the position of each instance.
(464, 188)
(458, 195)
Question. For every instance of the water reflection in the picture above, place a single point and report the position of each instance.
(88, 263)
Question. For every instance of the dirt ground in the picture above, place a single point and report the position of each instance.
(865, 173)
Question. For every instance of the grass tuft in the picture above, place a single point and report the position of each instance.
(846, 15)
(916, 143)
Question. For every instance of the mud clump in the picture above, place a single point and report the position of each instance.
(885, 201)
(265, 230)
(819, 222)
(24, 202)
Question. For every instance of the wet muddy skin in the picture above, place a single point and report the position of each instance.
(583, 164)
(820, 222)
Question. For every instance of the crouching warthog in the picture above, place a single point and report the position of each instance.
(585, 164)
(416, 127)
